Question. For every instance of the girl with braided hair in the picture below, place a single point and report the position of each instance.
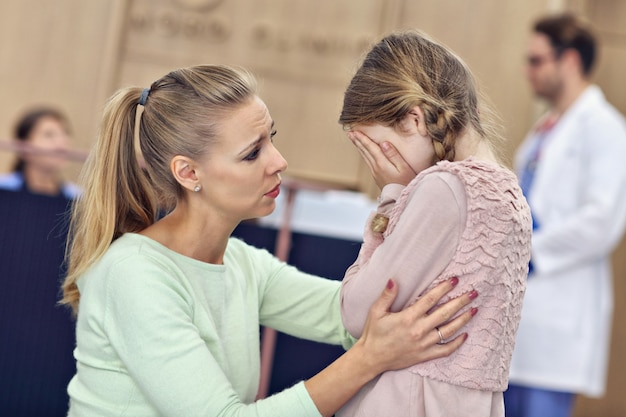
(448, 207)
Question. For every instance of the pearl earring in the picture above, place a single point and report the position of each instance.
(197, 188)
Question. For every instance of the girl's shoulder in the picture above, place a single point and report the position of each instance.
(473, 172)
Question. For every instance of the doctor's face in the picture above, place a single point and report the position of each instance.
(543, 68)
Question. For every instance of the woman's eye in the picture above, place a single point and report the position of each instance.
(272, 134)
(252, 155)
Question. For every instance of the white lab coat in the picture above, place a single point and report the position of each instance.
(578, 198)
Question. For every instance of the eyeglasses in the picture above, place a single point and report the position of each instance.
(536, 61)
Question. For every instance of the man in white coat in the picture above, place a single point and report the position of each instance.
(572, 169)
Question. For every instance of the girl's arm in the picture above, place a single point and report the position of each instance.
(415, 253)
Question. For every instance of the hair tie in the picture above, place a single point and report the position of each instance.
(144, 96)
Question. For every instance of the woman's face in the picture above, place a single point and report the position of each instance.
(48, 134)
(241, 175)
(416, 150)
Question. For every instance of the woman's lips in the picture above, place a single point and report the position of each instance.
(274, 192)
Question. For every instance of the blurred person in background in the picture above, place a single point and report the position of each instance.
(572, 171)
(44, 136)
(37, 335)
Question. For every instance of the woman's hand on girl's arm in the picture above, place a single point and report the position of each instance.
(391, 341)
(384, 161)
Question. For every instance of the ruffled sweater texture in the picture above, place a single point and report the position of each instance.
(492, 258)
(467, 219)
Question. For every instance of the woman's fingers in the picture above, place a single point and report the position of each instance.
(383, 304)
(442, 314)
(443, 322)
(448, 331)
(442, 350)
(431, 298)
(398, 340)
(451, 328)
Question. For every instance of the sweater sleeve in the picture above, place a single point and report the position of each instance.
(300, 304)
(386, 201)
(148, 320)
(414, 254)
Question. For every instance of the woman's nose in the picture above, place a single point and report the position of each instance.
(279, 163)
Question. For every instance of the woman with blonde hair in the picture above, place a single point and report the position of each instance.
(169, 308)
(459, 212)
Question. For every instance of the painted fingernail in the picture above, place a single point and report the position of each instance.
(385, 146)
(389, 284)
(473, 311)
(473, 294)
(465, 337)
(454, 281)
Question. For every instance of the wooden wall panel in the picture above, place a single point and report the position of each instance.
(52, 53)
(302, 53)
(306, 52)
(609, 20)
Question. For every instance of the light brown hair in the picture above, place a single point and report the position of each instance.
(408, 69)
(180, 117)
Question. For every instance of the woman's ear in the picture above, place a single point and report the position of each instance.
(184, 171)
(417, 122)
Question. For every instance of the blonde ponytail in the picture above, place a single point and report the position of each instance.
(117, 196)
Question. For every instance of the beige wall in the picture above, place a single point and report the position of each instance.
(75, 53)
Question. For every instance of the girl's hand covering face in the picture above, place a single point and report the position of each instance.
(384, 161)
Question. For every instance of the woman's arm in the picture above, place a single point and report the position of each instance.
(148, 319)
(391, 341)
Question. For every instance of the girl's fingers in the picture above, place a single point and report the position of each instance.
(404, 171)
(363, 150)
(369, 148)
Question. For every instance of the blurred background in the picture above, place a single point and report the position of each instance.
(74, 54)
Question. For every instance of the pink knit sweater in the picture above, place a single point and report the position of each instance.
(466, 219)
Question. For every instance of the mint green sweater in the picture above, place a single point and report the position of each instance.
(161, 334)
